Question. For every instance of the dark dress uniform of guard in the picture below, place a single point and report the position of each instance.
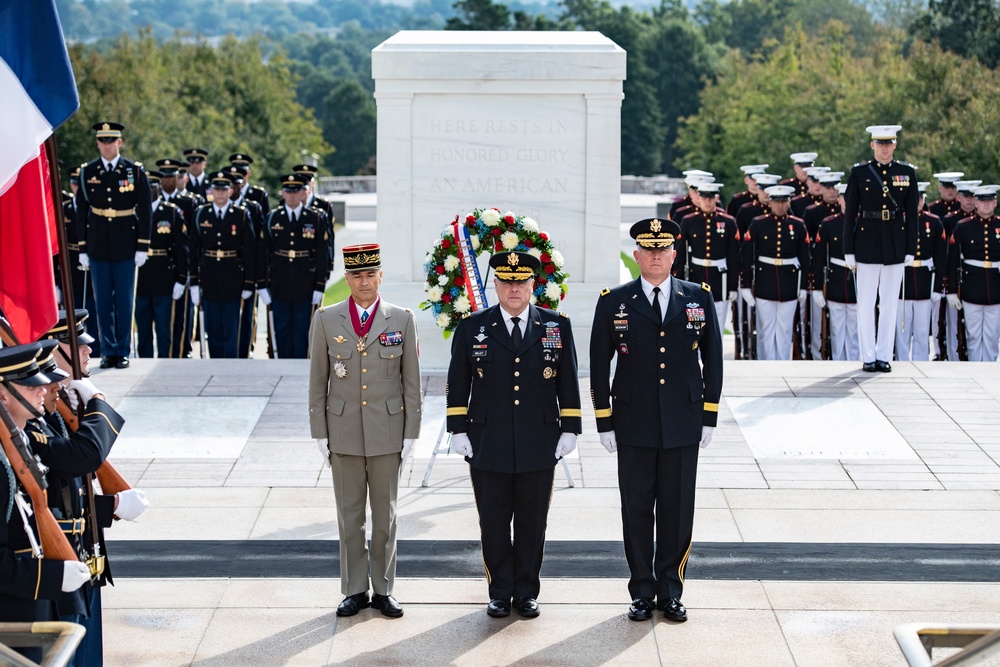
(838, 287)
(296, 264)
(320, 204)
(974, 275)
(775, 257)
(223, 266)
(197, 183)
(249, 191)
(188, 202)
(880, 236)
(800, 162)
(659, 407)
(686, 204)
(923, 283)
(966, 209)
(514, 411)
(113, 215)
(748, 195)
(83, 291)
(813, 193)
(814, 215)
(160, 284)
(757, 206)
(248, 316)
(699, 261)
(948, 203)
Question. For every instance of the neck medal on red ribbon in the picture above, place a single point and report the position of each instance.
(361, 330)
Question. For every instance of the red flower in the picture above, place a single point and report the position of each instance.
(445, 243)
(509, 220)
(497, 231)
(446, 298)
(562, 295)
(440, 269)
(459, 281)
(545, 258)
(498, 247)
(543, 236)
(470, 220)
(550, 268)
(541, 280)
(528, 243)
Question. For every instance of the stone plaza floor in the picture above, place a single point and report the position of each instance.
(832, 506)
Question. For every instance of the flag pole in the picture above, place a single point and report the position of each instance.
(64, 267)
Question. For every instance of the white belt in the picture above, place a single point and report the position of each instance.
(982, 265)
(839, 262)
(925, 263)
(779, 261)
(717, 263)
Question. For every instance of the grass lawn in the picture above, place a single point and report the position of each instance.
(336, 292)
(630, 264)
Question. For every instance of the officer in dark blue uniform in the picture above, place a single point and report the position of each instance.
(813, 193)
(813, 216)
(659, 407)
(835, 285)
(315, 201)
(686, 205)
(296, 264)
(513, 411)
(160, 284)
(800, 162)
(248, 190)
(198, 181)
(948, 203)
(748, 195)
(223, 266)
(113, 216)
(757, 206)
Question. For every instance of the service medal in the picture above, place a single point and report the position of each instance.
(547, 373)
(340, 370)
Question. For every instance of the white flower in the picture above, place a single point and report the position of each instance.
(490, 217)
(529, 225)
(434, 293)
(511, 215)
(474, 238)
(450, 263)
(443, 320)
(437, 244)
(462, 304)
(553, 291)
(533, 300)
(534, 252)
(443, 280)
(557, 259)
(509, 240)
(447, 231)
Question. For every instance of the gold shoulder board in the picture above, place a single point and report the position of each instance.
(705, 287)
(605, 291)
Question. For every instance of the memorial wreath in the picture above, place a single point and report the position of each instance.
(487, 230)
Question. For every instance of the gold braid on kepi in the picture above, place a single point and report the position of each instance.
(513, 267)
(653, 233)
(362, 257)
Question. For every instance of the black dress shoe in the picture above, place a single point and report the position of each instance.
(107, 362)
(387, 605)
(527, 607)
(641, 609)
(122, 362)
(673, 610)
(883, 367)
(868, 367)
(352, 604)
(498, 608)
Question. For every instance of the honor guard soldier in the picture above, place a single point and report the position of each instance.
(250, 191)
(113, 217)
(171, 190)
(974, 275)
(83, 292)
(813, 193)
(814, 215)
(364, 411)
(775, 255)
(965, 195)
(880, 236)
(757, 206)
(687, 205)
(513, 411)
(312, 200)
(223, 266)
(248, 317)
(922, 286)
(170, 171)
(160, 283)
(661, 404)
(699, 260)
(836, 286)
(748, 195)
(198, 180)
(800, 162)
(948, 203)
(295, 250)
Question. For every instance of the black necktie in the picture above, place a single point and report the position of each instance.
(656, 303)
(515, 333)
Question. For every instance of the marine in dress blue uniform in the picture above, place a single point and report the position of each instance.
(813, 193)
(800, 163)
(835, 285)
(513, 410)
(948, 203)
(113, 216)
(686, 204)
(966, 198)
(748, 195)
(813, 216)
(661, 404)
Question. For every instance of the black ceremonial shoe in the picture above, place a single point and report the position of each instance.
(498, 608)
(673, 610)
(527, 607)
(868, 367)
(641, 609)
(883, 367)
(387, 605)
(352, 604)
(122, 362)
(107, 362)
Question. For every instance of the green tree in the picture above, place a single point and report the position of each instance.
(349, 123)
(479, 15)
(966, 27)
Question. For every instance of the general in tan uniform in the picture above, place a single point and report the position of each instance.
(364, 411)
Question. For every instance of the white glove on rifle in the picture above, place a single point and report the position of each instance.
(818, 298)
(954, 301)
(566, 444)
(935, 297)
(84, 260)
(195, 295)
(747, 294)
(75, 574)
(130, 504)
(802, 296)
(324, 449)
(908, 260)
(246, 294)
(407, 448)
(265, 296)
(58, 296)
(317, 298)
(178, 291)
(706, 436)
(460, 444)
(731, 296)
(140, 258)
(85, 388)
(609, 441)
(850, 261)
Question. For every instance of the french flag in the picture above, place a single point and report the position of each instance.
(37, 94)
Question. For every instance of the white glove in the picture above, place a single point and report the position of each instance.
(85, 388)
(140, 258)
(748, 296)
(609, 441)
(84, 261)
(178, 291)
(131, 504)
(265, 296)
(246, 294)
(58, 296)
(731, 296)
(195, 294)
(935, 297)
(460, 444)
(954, 301)
(317, 298)
(818, 298)
(706, 436)
(850, 261)
(802, 296)
(324, 450)
(908, 260)
(75, 574)
(407, 448)
(566, 444)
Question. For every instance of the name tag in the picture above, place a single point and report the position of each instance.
(391, 338)
(621, 325)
